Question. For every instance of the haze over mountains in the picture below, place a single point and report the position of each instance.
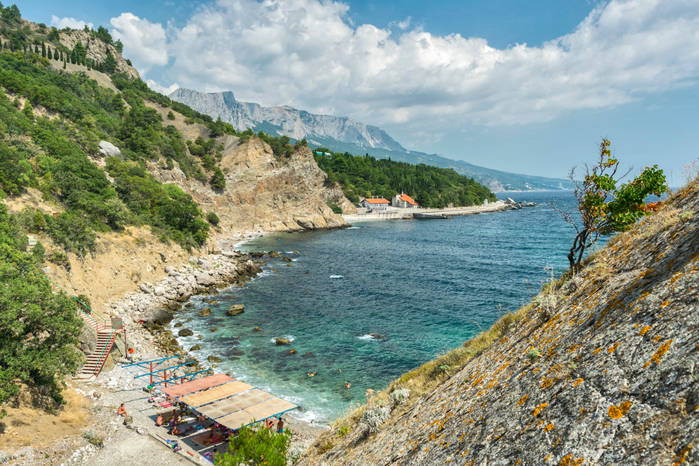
(343, 134)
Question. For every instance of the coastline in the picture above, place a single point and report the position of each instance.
(396, 213)
(154, 304)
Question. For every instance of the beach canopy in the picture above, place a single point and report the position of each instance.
(176, 391)
(270, 408)
(229, 402)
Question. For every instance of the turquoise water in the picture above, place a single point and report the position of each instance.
(426, 286)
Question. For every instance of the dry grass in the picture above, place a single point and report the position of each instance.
(28, 422)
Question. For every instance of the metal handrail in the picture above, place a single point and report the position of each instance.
(99, 366)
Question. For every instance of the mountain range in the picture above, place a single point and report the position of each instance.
(343, 134)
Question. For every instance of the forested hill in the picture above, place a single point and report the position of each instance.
(430, 186)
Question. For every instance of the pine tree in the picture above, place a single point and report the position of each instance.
(43, 50)
(110, 63)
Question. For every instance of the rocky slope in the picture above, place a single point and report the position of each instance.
(602, 369)
(287, 121)
(97, 50)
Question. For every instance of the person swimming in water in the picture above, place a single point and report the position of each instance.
(347, 385)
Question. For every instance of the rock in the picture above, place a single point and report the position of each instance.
(235, 309)
(159, 291)
(185, 332)
(128, 421)
(195, 348)
(309, 355)
(174, 305)
(169, 269)
(184, 298)
(289, 265)
(213, 302)
(287, 259)
(213, 329)
(163, 258)
(144, 288)
(213, 359)
(204, 279)
(107, 149)
(256, 254)
(204, 264)
(283, 341)
(256, 329)
(204, 312)
(178, 324)
(378, 336)
(275, 254)
(292, 351)
(189, 305)
(88, 339)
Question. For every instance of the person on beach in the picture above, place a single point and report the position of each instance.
(159, 421)
(280, 426)
(269, 423)
(121, 411)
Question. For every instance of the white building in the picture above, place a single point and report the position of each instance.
(376, 204)
(404, 201)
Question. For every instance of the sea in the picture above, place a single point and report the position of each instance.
(366, 304)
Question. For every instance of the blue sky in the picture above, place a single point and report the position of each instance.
(449, 77)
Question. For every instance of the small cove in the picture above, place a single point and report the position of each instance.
(423, 286)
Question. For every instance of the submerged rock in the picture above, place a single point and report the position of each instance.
(283, 341)
(287, 259)
(235, 309)
(292, 351)
(195, 348)
(204, 312)
(189, 305)
(178, 324)
(213, 359)
(256, 329)
(309, 355)
(185, 332)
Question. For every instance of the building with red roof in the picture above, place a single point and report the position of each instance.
(404, 201)
(376, 203)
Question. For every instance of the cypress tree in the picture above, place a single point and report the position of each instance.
(0, 46)
(61, 55)
(36, 49)
(49, 53)
(55, 54)
(43, 50)
(64, 65)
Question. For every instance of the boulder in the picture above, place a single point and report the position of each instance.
(292, 351)
(184, 298)
(256, 254)
(144, 288)
(88, 339)
(128, 421)
(213, 359)
(275, 254)
(287, 259)
(256, 329)
(107, 149)
(189, 305)
(159, 291)
(204, 264)
(178, 325)
(174, 305)
(213, 329)
(185, 332)
(235, 309)
(195, 348)
(283, 341)
(204, 279)
(157, 315)
(204, 312)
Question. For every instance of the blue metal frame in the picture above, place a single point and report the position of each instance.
(148, 362)
(165, 369)
(175, 378)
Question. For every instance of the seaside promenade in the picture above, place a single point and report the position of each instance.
(397, 213)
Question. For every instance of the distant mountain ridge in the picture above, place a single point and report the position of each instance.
(343, 134)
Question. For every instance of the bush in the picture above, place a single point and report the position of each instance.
(398, 397)
(373, 418)
(212, 218)
(93, 439)
(256, 445)
(334, 207)
(170, 115)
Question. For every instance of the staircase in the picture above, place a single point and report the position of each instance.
(106, 334)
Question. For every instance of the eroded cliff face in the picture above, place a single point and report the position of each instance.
(97, 50)
(603, 369)
(263, 193)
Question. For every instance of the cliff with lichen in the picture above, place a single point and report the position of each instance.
(602, 368)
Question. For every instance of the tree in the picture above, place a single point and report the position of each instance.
(43, 50)
(256, 446)
(119, 46)
(55, 54)
(110, 63)
(38, 329)
(603, 207)
(218, 181)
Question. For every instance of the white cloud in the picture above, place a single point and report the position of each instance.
(163, 90)
(72, 23)
(144, 42)
(306, 53)
(405, 24)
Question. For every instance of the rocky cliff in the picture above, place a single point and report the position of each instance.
(287, 121)
(262, 193)
(600, 369)
(97, 50)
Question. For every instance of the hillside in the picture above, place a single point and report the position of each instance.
(599, 369)
(342, 134)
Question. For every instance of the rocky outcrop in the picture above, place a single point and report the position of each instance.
(97, 50)
(601, 369)
(262, 192)
(235, 310)
(294, 123)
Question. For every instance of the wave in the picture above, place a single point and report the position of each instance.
(366, 337)
(336, 276)
(354, 228)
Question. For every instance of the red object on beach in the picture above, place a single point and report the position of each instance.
(165, 404)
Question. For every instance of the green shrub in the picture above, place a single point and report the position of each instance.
(170, 115)
(256, 445)
(212, 218)
(334, 207)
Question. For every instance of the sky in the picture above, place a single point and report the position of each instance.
(528, 86)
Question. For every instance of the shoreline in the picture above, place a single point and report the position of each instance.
(396, 213)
